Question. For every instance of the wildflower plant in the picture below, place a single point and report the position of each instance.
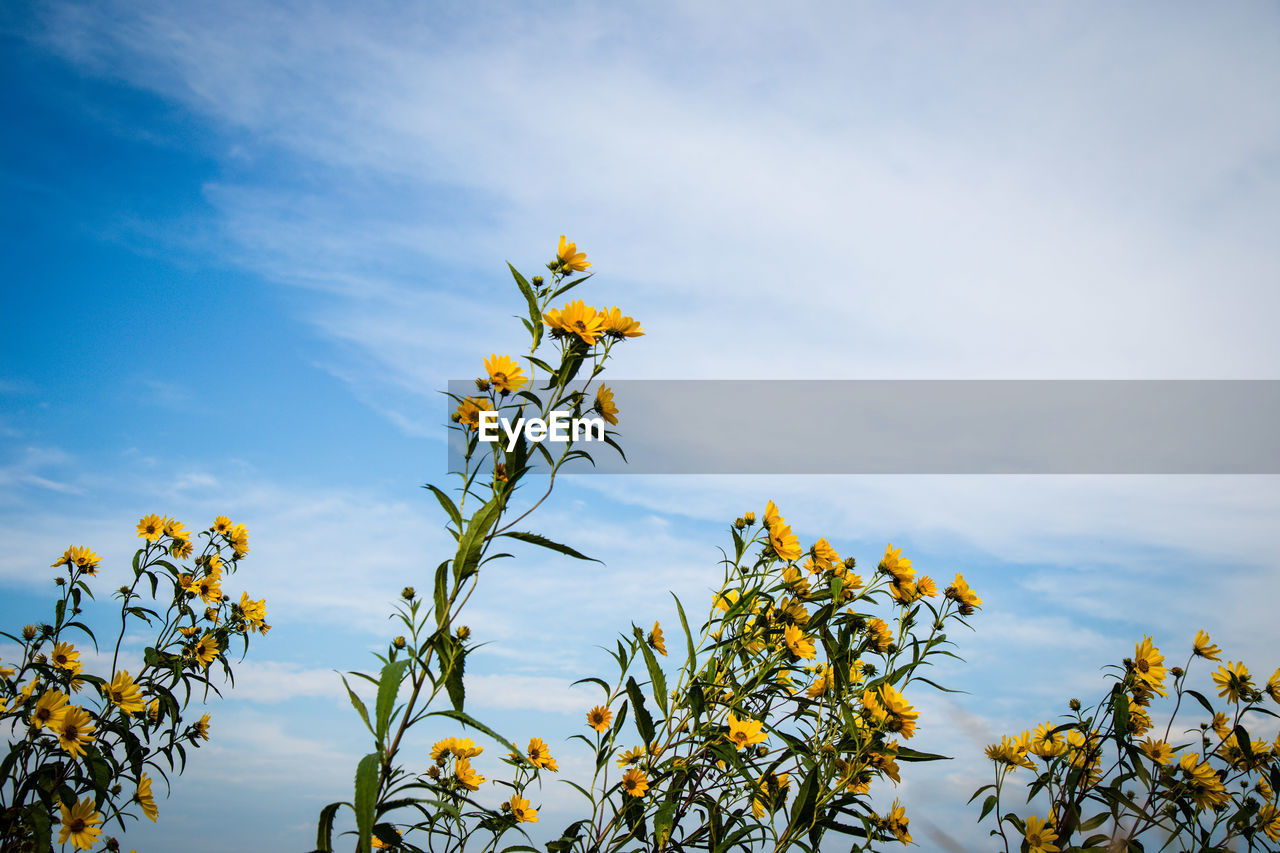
(85, 746)
(1111, 777)
(787, 706)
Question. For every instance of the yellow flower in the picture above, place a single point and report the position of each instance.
(824, 680)
(153, 710)
(798, 644)
(255, 612)
(145, 798)
(1012, 752)
(540, 756)
(80, 824)
(895, 565)
(657, 641)
(240, 540)
(1046, 743)
(630, 756)
(505, 373)
(181, 547)
(575, 318)
(75, 729)
(774, 788)
(200, 728)
(150, 527)
(222, 524)
(605, 405)
(824, 556)
(1157, 750)
(206, 650)
(1040, 836)
(1232, 679)
(468, 411)
(1221, 724)
(48, 710)
(520, 810)
(209, 587)
(375, 841)
(967, 599)
(1148, 664)
(634, 782)
(1273, 686)
(889, 709)
(879, 634)
(1203, 648)
(785, 543)
(927, 587)
(726, 599)
(84, 558)
(1203, 785)
(570, 256)
(599, 718)
(744, 733)
(896, 822)
(771, 515)
(65, 656)
(124, 693)
(466, 775)
(614, 324)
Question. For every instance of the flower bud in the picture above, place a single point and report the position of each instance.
(407, 593)
(1176, 672)
(538, 281)
(739, 524)
(60, 580)
(29, 632)
(1074, 704)
(762, 751)
(749, 518)
(482, 384)
(433, 771)
(39, 658)
(463, 632)
(398, 642)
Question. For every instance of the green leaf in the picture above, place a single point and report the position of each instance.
(324, 828)
(388, 689)
(472, 541)
(657, 680)
(806, 799)
(366, 797)
(454, 669)
(987, 805)
(688, 636)
(644, 723)
(535, 316)
(441, 594)
(358, 704)
(906, 753)
(537, 539)
(448, 504)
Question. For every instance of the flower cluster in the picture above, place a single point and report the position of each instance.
(1205, 787)
(89, 738)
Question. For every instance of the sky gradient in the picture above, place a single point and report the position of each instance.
(249, 244)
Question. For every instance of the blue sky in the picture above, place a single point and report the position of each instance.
(249, 244)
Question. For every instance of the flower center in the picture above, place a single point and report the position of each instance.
(76, 825)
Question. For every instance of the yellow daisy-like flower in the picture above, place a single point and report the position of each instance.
(927, 587)
(634, 782)
(442, 748)
(1040, 836)
(1205, 649)
(896, 565)
(174, 528)
(605, 406)
(1012, 752)
(774, 788)
(1046, 743)
(968, 600)
(124, 693)
(724, 600)
(206, 650)
(520, 810)
(222, 524)
(181, 547)
(240, 540)
(74, 728)
(630, 756)
(153, 710)
(466, 775)
(1221, 724)
(1157, 750)
(145, 798)
(150, 527)
(505, 373)
(575, 318)
(744, 733)
(784, 542)
(48, 709)
(464, 747)
(615, 324)
(209, 587)
(1148, 664)
(84, 558)
(468, 411)
(540, 756)
(65, 656)
(824, 680)
(255, 612)
(657, 641)
(599, 718)
(1203, 785)
(1232, 679)
(896, 822)
(1273, 686)
(798, 644)
(80, 824)
(570, 257)
(200, 728)
(901, 715)
(772, 516)
(377, 842)
(824, 556)
(880, 635)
